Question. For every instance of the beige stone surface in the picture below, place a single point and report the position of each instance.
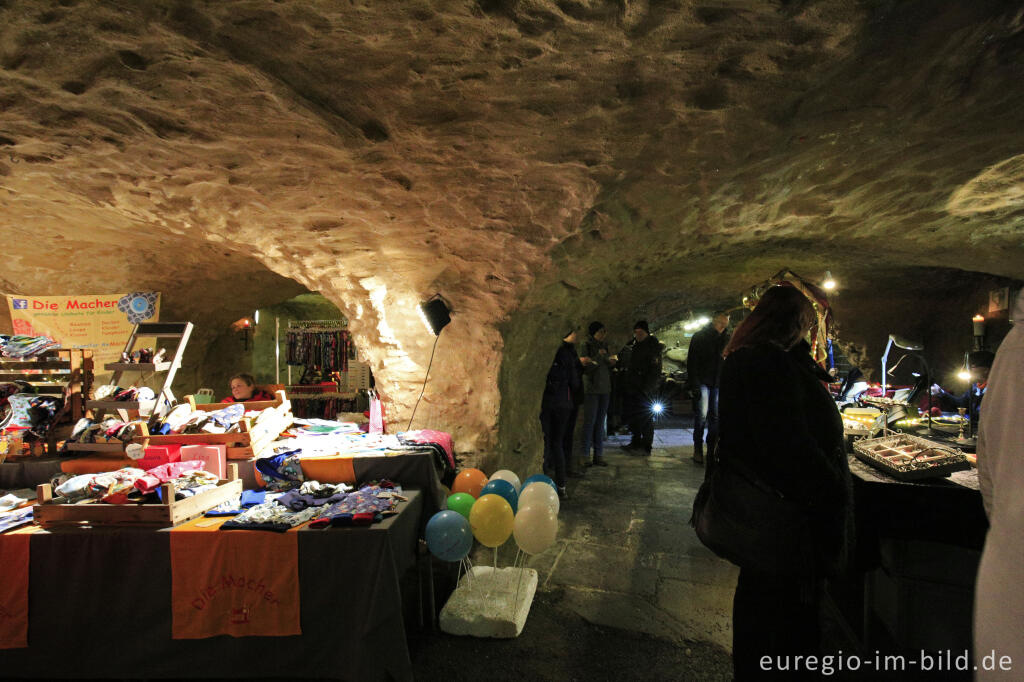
(528, 159)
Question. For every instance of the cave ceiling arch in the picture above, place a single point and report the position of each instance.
(526, 158)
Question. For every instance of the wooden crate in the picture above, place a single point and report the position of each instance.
(48, 513)
(252, 441)
(66, 372)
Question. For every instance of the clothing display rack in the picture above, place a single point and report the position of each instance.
(323, 344)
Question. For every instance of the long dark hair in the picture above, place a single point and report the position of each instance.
(781, 317)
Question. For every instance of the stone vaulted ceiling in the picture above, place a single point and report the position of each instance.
(529, 159)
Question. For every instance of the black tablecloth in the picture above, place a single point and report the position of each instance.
(100, 606)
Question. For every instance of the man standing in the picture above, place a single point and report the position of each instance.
(597, 386)
(702, 365)
(640, 385)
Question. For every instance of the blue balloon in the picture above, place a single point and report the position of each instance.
(449, 536)
(504, 489)
(542, 478)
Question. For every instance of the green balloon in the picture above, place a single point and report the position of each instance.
(461, 503)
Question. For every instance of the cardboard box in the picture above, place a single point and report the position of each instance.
(214, 457)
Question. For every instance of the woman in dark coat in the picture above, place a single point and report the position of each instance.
(563, 392)
(777, 418)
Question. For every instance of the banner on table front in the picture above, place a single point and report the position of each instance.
(102, 323)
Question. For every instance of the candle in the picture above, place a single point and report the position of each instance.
(979, 325)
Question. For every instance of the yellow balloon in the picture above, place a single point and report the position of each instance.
(491, 519)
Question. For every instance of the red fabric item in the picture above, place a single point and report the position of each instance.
(163, 473)
(14, 557)
(429, 436)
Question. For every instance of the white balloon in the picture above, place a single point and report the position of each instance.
(506, 475)
(535, 528)
(539, 492)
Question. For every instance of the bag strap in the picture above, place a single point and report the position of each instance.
(744, 470)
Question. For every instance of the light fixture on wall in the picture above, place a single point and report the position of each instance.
(829, 283)
(435, 314)
(978, 324)
(242, 327)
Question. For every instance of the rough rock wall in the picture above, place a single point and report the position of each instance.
(528, 159)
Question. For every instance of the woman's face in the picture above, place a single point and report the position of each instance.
(241, 390)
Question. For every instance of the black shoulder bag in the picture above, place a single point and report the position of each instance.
(743, 519)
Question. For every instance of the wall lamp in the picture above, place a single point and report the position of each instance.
(829, 283)
(435, 314)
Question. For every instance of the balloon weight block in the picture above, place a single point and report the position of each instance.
(485, 604)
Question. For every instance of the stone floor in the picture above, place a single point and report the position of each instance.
(626, 592)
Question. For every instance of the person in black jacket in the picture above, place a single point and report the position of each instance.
(643, 373)
(563, 392)
(777, 418)
(702, 364)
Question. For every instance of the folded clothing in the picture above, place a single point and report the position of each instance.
(371, 500)
(21, 346)
(150, 480)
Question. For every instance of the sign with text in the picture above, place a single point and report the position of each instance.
(237, 583)
(102, 323)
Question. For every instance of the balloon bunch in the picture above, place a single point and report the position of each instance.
(491, 510)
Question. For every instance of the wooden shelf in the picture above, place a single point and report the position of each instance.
(137, 366)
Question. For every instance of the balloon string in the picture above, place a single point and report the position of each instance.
(519, 584)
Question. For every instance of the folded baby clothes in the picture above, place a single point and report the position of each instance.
(150, 480)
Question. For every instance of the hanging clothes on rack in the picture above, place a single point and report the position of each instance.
(324, 344)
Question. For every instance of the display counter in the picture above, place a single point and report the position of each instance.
(100, 605)
(918, 548)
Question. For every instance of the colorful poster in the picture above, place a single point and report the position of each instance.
(102, 323)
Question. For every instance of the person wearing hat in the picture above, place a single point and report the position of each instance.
(597, 388)
(640, 385)
(563, 392)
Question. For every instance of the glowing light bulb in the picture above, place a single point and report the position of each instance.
(830, 283)
(657, 408)
(964, 375)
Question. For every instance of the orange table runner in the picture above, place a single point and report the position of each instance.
(239, 583)
(14, 558)
(330, 469)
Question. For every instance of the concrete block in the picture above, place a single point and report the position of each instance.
(485, 605)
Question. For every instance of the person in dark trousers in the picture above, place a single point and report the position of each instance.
(640, 387)
(778, 419)
(702, 364)
(597, 387)
(562, 389)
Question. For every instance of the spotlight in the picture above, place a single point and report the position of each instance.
(657, 408)
(829, 283)
(435, 314)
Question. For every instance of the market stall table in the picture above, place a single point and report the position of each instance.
(918, 547)
(100, 606)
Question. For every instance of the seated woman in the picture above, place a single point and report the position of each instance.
(243, 389)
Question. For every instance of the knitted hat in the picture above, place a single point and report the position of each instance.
(642, 324)
(594, 328)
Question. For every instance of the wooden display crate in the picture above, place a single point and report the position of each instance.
(48, 513)
(252, 441)
(65, 371)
